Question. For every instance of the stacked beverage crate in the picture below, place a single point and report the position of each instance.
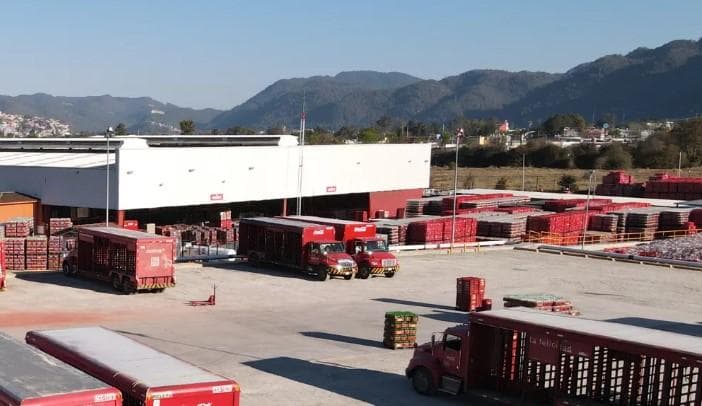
(400, 330)
(56, 247)
(470, 293)
(35, 251)
(56, 225)
(14, 254)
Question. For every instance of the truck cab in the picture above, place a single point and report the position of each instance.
(442, 364)
(372, 256)
(329, 258)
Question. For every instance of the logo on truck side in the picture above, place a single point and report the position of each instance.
(105, 397)
(162, 395)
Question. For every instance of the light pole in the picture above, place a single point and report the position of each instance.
(108, 133)
(587, 208)
(523, 170)
(459, 134)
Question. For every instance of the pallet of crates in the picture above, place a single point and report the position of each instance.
(673, 219)
(14, 254)
(56, 225)
(470, 293)
(54, 253)
(400, 330)
(36, 253)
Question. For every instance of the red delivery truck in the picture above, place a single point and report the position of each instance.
(145, 377)
(560, 359)
(361, 242)
(131, 260)
(30, 377)
(3, 270)
(307, 247)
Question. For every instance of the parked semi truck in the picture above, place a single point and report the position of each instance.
(3, 269)
(144, 376)
(561, 360)
(361, 242)
(132, 261)
(30, 377)
(307, 247)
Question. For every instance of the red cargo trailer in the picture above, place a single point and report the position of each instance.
(560, 359)
(30, 377)
(144, 375)
(370, 253)
(2, 266)
(132, 260)
(296, 244)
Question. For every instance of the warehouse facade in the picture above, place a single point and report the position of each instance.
(173, 177)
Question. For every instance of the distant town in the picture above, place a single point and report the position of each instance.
(17, 125)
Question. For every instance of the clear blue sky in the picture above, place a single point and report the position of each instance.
(218, 53)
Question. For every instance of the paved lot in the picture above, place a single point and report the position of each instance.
(296, 341)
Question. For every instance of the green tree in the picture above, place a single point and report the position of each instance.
(346, 133)
(556, 123)
(121, 129)
(502, 183)
(369, 136)
(237, 130)
(187, 127)
(614, 156)
(568, 182)
(322, 138)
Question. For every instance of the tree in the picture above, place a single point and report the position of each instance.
(187, 127)
(568, 182)
(556, 123)
(369, 136)
(237, 130)
(614, 156)
(384, 124)
(346, 133)
(121, 129)
(502, 183)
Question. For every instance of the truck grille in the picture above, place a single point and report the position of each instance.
(346, 263)
(389, 262)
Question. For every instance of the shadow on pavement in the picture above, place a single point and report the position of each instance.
(665, 325)
(365, 385)
(270, 270)
(456, 317)
(59, 279)
(341, 338)
(412, 303)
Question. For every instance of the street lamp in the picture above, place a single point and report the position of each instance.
(108, 133)
(587, 208)
(459, 134)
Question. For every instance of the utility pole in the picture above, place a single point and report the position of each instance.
(679, 163)
(587, 209)
(108, 133)
(523, 170)
(298, 209)
(459, 134)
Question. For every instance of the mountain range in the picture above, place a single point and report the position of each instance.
(665, 82)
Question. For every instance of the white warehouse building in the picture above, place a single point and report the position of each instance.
(182, 177)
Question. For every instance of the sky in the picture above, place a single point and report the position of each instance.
(218, 53)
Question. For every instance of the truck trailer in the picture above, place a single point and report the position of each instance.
(307, 247)
(145, 376)
(3, 269)
(361, 242)
(132, 261)
(30, 377)
(558, 359)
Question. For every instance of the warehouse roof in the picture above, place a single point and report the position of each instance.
(621, 332)
(30, 373)
(14, 197)
(144, 364)
(50, 159)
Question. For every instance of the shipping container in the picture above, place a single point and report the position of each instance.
(548, 357)
(131, 260)
(144, 375)
(303, 246)
(361, 242)
(30, 377)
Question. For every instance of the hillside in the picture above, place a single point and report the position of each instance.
(95, 113)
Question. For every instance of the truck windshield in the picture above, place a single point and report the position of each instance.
(376, 245)
(331, 247)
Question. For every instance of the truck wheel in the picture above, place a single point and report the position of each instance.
(127, 287)
(348, 277)
(322, 275)
(363, 273)
(422, 381)
(389, 274)
(67, 269)
(116, 283)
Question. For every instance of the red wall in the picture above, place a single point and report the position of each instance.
(391, 201)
